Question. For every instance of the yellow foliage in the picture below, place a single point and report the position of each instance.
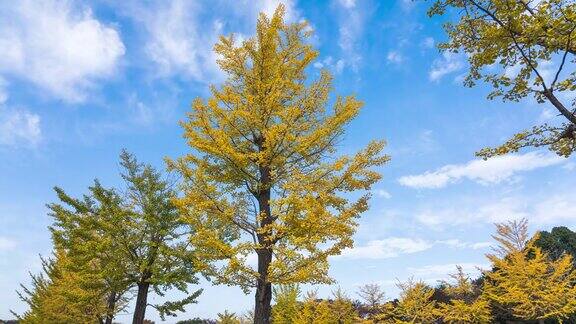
(529, 283)
(414, 306)
(263, 177)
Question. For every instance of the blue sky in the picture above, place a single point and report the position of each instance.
(81, 80)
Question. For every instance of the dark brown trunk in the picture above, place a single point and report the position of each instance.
(263, 298)
(110, 306)
(141, 303)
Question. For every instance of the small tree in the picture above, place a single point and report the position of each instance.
(414, 306)
(58, 295)
(525, 280)
(264, 177)
(135, 239)
(522, 48)
(287, 306)
(373, 296)
(227, 318)
(464, 305)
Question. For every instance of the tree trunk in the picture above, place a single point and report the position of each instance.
(141, 303)
(110, 306)
(263, 298)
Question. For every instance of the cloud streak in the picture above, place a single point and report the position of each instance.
(491, 171)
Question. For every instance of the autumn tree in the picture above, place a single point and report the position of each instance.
(58, 295)
(526, 281)
(286, 305)
(415, 305)
(263, 177)
(227, 318)
(373, 296)
(522, 48)
(134, 236)
(464, 306)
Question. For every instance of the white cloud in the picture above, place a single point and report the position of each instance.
(387, 248)
(396, 246)
(428, 42)
(442, 271)
(6, 244)
(491, 171)
(3, 91)
(19, 127)
(177, 44)
(541, 211)
(383, 193)
(448, 63)
(57, 47)
(329, 63)
(347, 3)
(181, 34)
(394, 57)
(351, 20)
(455, 243)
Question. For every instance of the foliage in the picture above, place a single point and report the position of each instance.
(264, 177)
(464, 306)
(526, 281)
(227, 318)
(557, 242)
(131, 240)
(287, 305)
(414, 306)
(522, 48)
(59, 295)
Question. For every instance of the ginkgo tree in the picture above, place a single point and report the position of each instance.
(522, 48)
(263, 179)
(525, 281)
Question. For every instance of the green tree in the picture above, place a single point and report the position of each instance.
(561, 240)
(264, 178)
(522, 48)
(135, 238)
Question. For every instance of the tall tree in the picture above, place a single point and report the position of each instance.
(522, 48)
(136, 237)
(263, 177)
(526, 281)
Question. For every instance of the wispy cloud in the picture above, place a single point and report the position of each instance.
(552, 210)
(394, 57)
(351, 19)
(19, 127)
(491, 171)
(56, 46)
(396, 246)
(448, 63)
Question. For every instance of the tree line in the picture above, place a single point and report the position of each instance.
(264, 179)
